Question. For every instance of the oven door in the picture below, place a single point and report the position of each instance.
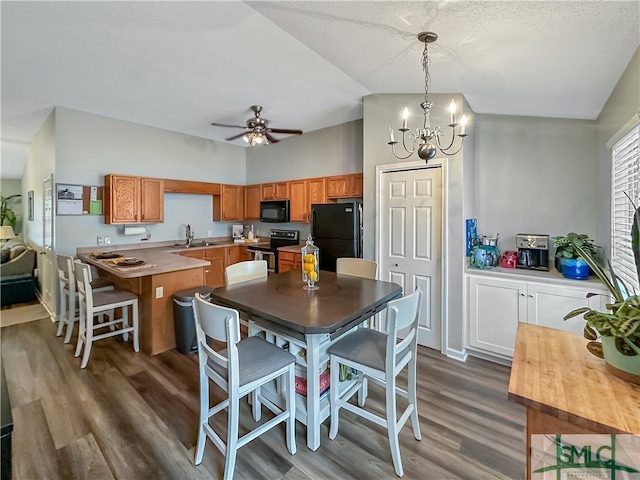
(269, 256)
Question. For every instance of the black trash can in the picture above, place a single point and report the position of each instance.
(186, 340)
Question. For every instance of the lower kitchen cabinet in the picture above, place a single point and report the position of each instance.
(219, 258)
(496, 305)
(288, 261)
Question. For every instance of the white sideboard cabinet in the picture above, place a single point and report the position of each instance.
(498, 300)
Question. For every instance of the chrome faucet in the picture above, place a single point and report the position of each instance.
(189, 236)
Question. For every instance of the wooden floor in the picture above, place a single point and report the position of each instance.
(131, 416)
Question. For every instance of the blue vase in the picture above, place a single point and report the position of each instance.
(575, 268)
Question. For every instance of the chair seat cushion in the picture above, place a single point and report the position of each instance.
(101, 282)
(257, 358)
(109, 297)
(365, 346)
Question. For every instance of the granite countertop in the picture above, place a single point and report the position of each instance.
(162, 257)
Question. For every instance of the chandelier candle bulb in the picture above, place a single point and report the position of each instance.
(452, 109)
(463, 123)
(391, 139)
(405, 116)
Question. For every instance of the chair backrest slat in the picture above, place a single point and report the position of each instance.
(245, 271)
(357, 267)
(401, 314)
(83, 281)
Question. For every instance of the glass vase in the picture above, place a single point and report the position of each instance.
(310, 264)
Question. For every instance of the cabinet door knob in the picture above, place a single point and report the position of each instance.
(522, 294)
(530, 296)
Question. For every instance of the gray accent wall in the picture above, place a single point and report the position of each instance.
(622, 106)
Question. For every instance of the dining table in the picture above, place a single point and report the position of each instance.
(307, 323)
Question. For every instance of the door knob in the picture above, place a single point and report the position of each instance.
(395, 264)
(522, 294)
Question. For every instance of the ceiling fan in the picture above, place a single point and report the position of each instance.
(258, 130)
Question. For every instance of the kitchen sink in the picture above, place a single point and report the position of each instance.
(201, 244)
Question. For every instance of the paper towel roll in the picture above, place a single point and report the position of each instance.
(134, 230)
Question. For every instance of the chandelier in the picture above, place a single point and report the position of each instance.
(423, 139)
(255, 137)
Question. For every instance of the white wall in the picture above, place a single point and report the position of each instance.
(623, 105)
(534, 175)
(90, 146)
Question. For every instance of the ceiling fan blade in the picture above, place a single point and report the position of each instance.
(234, 137)
(227, 125)
(284, 130)
(271, 138)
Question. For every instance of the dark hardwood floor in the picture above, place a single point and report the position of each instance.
(131, 416)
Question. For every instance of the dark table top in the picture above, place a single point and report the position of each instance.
(340, 302)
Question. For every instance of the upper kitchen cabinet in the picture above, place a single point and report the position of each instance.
(344, 186)
(133, 199)
(252, 197)
(316, 191)
(230, 206)
(298, 205)
(275, 191)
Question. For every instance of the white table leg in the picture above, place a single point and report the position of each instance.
(313, 391)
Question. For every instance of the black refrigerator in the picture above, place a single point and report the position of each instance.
(336, 229)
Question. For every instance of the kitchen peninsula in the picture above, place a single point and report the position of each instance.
(167, 269)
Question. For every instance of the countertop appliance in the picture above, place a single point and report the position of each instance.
(533, 251)
(274, 211)
(277, 238)
(336, 229)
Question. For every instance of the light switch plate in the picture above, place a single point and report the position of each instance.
(159, 292)
(100, 240)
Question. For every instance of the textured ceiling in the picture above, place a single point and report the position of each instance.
(181, 65)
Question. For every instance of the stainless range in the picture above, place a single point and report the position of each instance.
(277, 238)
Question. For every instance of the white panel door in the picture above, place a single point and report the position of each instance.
(411, 225)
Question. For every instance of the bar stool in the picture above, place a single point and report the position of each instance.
(245, 271)
(67, 294)
(380, 358)
(242, 368)
(93, 303)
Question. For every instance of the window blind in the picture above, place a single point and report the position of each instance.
(625, 180)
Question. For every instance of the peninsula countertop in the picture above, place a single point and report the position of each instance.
(159, 258)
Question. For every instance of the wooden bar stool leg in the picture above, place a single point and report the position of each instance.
(232, 438)
(63, 312)
(71, 317)
(125, 321)
(291, 407)
(392, 427)
(81, 331)
(88, 339)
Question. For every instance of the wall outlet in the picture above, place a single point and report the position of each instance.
(209, 233)
(100, 240)
(159, 292)
(107, 240)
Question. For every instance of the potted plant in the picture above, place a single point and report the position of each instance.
(569, 260)
(619, 327)
(7, 215)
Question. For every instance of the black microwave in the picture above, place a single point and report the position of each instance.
(274, 211)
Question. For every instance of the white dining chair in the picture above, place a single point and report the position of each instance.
(92, 303)
(380, 357)
(67, 294)
(245, 271)
(357, 267)
(242, 368)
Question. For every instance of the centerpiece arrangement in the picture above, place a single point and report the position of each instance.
(619, 327)
(310, 264)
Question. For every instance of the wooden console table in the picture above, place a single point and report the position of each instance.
(566, 389)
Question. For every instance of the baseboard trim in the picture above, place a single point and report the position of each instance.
(460, 355)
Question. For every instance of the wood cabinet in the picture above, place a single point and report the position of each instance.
(289, 261)
(275, 191)
(496, 305)
(298, 205)
(316, 193)
(345, 186)
(252, 197)
(229, 206)
(133, 199)
(245, 254)
(214, 273)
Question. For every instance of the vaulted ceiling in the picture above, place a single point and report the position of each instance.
(182, 65)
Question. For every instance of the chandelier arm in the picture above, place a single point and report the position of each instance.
(446, 150)
(453, 139)
(412, 138)
(393, 150)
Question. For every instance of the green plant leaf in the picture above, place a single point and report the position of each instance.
(576, 312)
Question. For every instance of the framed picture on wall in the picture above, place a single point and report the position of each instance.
(30, 205)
